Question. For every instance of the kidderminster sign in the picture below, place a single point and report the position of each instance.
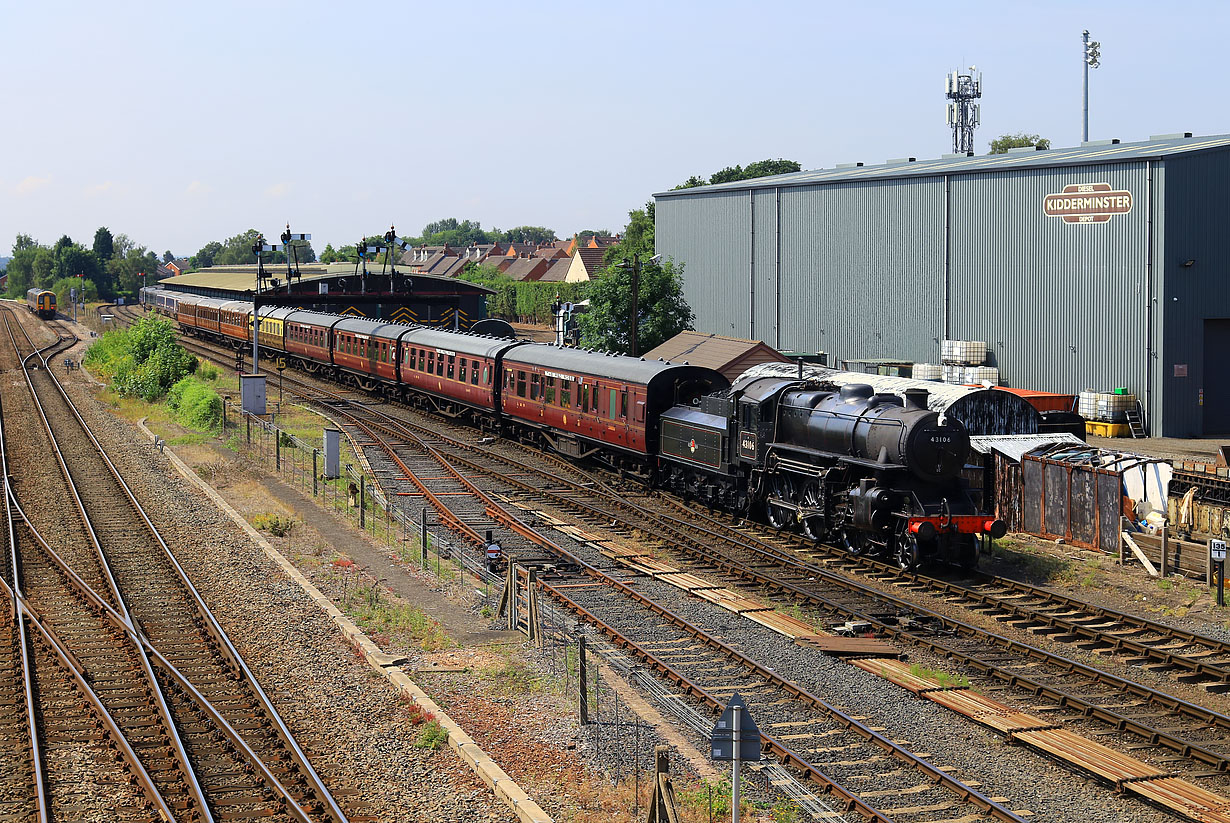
(1088, 203)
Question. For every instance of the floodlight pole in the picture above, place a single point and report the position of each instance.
(1085, 90)
(1090, 58)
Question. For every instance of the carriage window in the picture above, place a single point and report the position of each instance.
(521, 384)
(461, 370)
(422, 359)
(611, 406)
(584, 397)
(623, 404)
(535, 387)
(452, 362)
(565, 394)
(474, 372)
(431, 362)
(486, 381)
(439, 365)
(550, 398)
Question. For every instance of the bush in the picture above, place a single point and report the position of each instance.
(143, 360)
(207, 371)
(195, 405)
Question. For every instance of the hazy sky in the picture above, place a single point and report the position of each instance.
(180, 122)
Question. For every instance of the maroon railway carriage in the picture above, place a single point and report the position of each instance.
(583, 403)
(367, 349)
(453, 372)
(307, 335)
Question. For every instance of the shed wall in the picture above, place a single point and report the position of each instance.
(1060, 305)
(1196, 230)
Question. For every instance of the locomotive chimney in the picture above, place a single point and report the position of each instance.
(916, 399)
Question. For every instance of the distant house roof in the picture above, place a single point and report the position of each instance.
(730, 356)
(527, 268)
(551, 252)
(558, 271)
(599, 241)
(517, 249)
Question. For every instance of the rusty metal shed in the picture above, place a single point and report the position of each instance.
(1077, 492)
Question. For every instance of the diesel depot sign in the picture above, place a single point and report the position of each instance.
(1088, 203)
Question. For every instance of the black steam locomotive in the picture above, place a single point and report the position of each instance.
(877, 472)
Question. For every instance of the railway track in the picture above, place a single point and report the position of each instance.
(207, 742)
(802, 572)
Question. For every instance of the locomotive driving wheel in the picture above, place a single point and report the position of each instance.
(906, 553)
(779, 516)
(854, 541)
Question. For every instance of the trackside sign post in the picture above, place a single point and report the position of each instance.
(735, 738)
(1217, 554)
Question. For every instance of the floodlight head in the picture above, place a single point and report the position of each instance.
(656, 259)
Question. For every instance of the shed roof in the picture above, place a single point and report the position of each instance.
(243, 278)
(1014, 446)
(1097, 151)
(713, 350)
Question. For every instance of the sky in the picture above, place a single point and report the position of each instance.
(180, 123)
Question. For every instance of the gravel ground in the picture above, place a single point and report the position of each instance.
(351, 722)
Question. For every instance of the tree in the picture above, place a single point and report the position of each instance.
(104, 244)
(530, 234)
(237, 250)
(1020, 140)
(583, 236)
(75, 261)
(638, 237)
(122, 245)
(731, 174)
(167, 257)
(204, 258)
(661, 310)
(304, 252)
(23, 241)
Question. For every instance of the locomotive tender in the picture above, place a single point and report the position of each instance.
(878, 473)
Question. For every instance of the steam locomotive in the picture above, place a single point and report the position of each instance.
(878, 473)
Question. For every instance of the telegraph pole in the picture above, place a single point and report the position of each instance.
(1091, 55)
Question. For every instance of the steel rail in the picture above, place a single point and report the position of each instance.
(1062, 698)
(212, 627)
(42, 797)
(180, 752)
(1066, 699)
(211, 624)
(515, 524)
(136, 636)
(24, 614)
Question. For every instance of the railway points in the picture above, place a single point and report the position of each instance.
(389, 436)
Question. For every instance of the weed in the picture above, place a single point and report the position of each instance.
(784, 811)
(1165, 585)
(279, 525)
(392, 619)
(944, 679)
(514, 676)
(486, 611)
(432, 736)
(417, 714)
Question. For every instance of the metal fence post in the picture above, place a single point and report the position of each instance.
(1165, 569)
(277, 446)
(315, 475)
(362, 501)
(583, 680)
(247, 419)
(423, 536)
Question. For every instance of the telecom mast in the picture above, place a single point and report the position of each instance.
(964, 115)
